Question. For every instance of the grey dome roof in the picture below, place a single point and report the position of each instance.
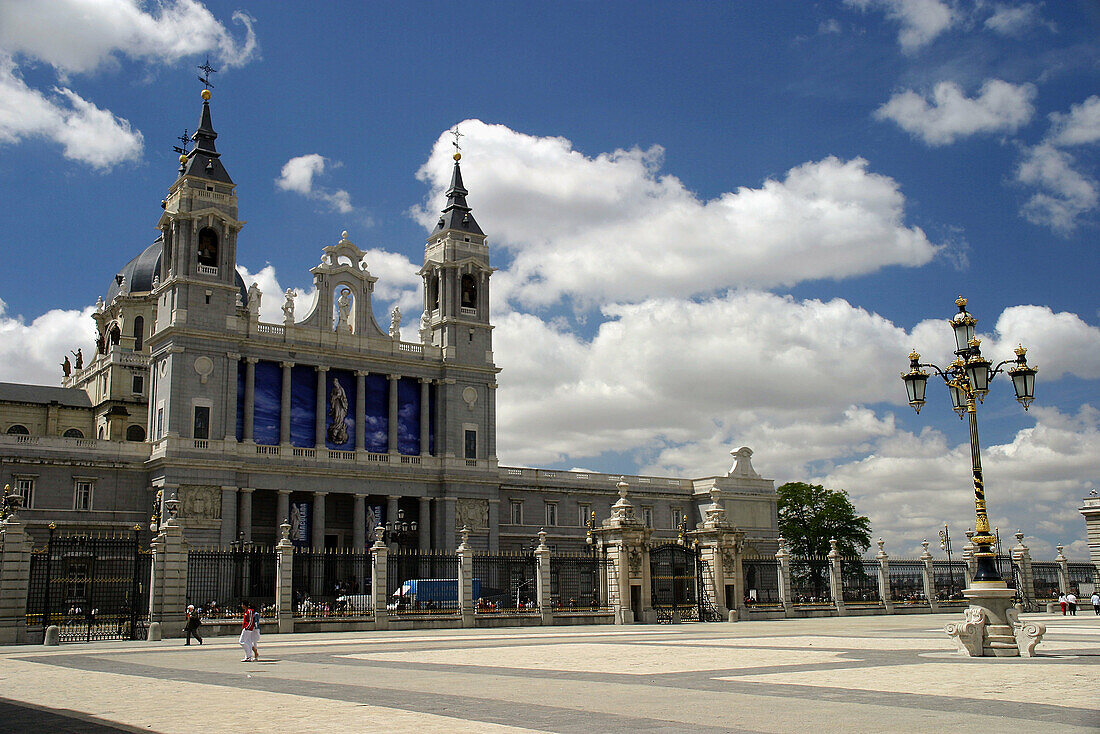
(138, 274)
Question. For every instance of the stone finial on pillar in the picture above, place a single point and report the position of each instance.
(542, 541)
(1061, 555)
(622, 509)
(465, 535)
(715, 511)
(881, 548)
(834, 552)
(924, 553)
(379, 537)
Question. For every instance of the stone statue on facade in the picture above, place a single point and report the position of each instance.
(79, 354)
(66, 367)
(338, 411)
(288, 307)
(425, 329)
(254, 296)
(343, 310)
(395, 324)
(99, 304)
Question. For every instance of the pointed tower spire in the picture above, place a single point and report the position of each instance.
(203, 161)
(456, 215)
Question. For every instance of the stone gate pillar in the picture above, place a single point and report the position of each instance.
(168, 578)
(284, 580)
(783, 558)
(15, 573)
(884, 591)
(542, 579)
(1021, 556)
(625, 539)
(836, 579)
(378, 570)
(466, 578)
(929, 574)
(1063, 570)
(720, 545)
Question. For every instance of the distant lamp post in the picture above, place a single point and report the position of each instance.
(10, 503)
(401, 532)
(967, 380)
(945, 543)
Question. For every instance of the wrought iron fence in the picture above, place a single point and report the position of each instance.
(949, 579)
(761, 581)
(406, 592)
(331, 582)
(219, 579)
(1007, 570)
(578, 582)
(1081, 573)
(93, 587)
(859, 581)
(507, 582)
(907, 581)
(1044, 580)
(810, 581)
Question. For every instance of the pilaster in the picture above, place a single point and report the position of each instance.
(391, 445)
(284, 404)
(228, 531)
(321, 411)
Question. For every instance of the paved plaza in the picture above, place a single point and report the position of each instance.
(863, 674)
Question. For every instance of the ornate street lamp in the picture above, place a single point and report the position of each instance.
(401, 532)
(967, 380)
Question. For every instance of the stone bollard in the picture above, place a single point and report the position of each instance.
(53, 634)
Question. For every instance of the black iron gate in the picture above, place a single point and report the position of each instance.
(91, 587)
(679, 594)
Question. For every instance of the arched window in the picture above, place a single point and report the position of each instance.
(135, 433)
(208, 247)
(116, 334)
(469, 292)
(73, 433)
(139, 333)
(18, 430)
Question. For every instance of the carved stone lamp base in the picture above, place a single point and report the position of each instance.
(991, 626)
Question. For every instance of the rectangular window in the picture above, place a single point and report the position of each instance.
(160, 423)
(677, 518)
(647, 516)
(551, 513)
(471, 444)
(24, 487)
(82, 494)
(584, 514)
(138, 384)
(517, 513)
(202, 422)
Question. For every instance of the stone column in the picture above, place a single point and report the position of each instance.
(360, 415)
(15, 573)
(282, 510)
(783, 559)
(929, 576)
(424, 525)
(249, 396)
(1021, 556)
(231, 397)
(379, 598)
(245, 515)
(168, 576)
(359, 524)
(836, 579)
(284, 579)
(391, 518)
(391, 446)
(425, 416)
(884, 591)
(229, 516)
(318, 530)
(491, 422)
(542, 580)
(466, 579)
(322, 409)
(284, 405)
(447, 531)
(1090, 510)
(1063, 570)
(494, 525)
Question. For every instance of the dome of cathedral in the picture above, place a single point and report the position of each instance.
(137, 275)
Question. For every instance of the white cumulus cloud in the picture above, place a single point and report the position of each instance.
(1080, 126)
(32, 352)
(921, 21)
(1014, 20)
(298, 176)
(949, 114)
(1064, 193)
(613, 228)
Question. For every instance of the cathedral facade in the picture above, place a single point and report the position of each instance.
(325, 419)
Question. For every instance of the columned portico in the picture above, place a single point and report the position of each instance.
(447, 532)
(249, 396)
(245, 514)
(321, 411)
(284, 411)
(229, 515)
(319, 520)
(359, 523)
(282, 509)
(391, 446)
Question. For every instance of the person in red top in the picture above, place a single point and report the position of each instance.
(250, 633)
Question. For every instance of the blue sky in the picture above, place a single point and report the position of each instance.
(717, 224)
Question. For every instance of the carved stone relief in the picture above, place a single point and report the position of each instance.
(200, 502)
(471, 513)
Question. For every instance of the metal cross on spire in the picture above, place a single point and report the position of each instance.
(457, 135)
(183, 139)
(207, 70)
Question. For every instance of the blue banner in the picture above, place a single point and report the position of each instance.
(301, 527)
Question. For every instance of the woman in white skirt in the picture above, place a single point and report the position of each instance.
(250, 633)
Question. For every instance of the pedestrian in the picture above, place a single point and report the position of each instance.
(1062, 603)
(191, 627)
(250, 633)
(1096, 603)
(1071, 602)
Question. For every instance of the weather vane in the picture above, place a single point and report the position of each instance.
(207, 70)
(457, 135)
(183, 139)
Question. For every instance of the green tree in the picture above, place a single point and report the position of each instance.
(810, 515)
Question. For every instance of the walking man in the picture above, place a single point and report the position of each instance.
(191, 627)
(1096, 602)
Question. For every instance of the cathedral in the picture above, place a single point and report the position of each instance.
(325, 419)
